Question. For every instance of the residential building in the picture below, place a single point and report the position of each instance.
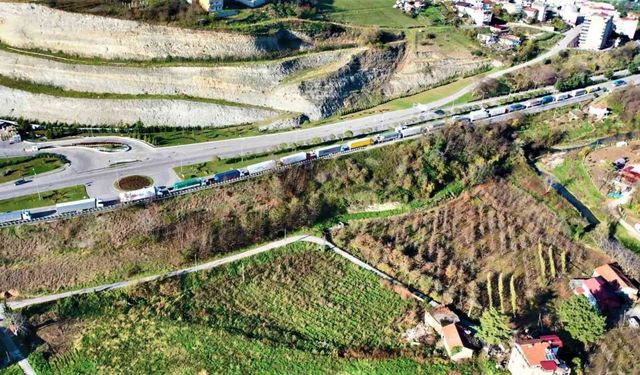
(477, 13)
(512, 8)
(530, 14)
(509, 41)
(537, 357)
(211, 5)
(9, 132)
(570, 14)
(252, 3)
(618, 280)
(542, 9)
(599, 110)
(595, 31)
(626, 26)
(456, 343)
(439, 317)
(487, 39)
(599, 293)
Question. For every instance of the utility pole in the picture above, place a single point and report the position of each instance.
(36, 180)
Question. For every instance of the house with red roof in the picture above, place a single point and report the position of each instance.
(598, 291)
(617, 280)
(537, 357)
(456, 343)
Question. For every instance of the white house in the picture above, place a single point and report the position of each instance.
(599, 110)
(537, 357)
(211, 5)
(455, 343)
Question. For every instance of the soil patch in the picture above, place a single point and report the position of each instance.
(135, 182)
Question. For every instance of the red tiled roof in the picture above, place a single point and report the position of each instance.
(613, 275)
(534, 351)
(602, 292)
(548, 365)
(452, 336)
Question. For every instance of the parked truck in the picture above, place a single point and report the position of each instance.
(294, 158)
(324, 151)
(7, 217)
(186, 184)
(408, 132)
(547, 99)
(261, 167)
(138, 195)
(478, 115)
(79, 206)
(226, 176)
(497, 111)
(563, 96)
(358, 143)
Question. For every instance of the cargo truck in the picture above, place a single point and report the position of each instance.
(547, 99)
(534, 103)
(387, 136)
(138, 195)
(261, 167)
(324, 151)
(226, 176)
(408, 132)
(7, 217)
(563, 96)
(294, 158)
(79, 206)
(579, 93)
(497, 111)
(516, 107)
(186, 184)
(478, 115)
(358, 143)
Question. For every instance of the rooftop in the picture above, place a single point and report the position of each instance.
(612, 272)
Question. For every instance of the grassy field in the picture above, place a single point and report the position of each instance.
(370, 13)
(297, 309)
(46, 198)
(627, 239)
(573, 174)
(15, 168)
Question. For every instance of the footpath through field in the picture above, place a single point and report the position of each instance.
(214, 264)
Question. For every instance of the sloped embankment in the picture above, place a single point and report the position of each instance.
(33, 26)
(182, 113)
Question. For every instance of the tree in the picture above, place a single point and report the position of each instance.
(552, 263)
(512, 292)
(494, 327)
(490, 289)
(563, 261)
(501, 291)
(581, 319)
(543, 268)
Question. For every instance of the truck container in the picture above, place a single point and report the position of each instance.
(478, 115)
(137, 195)
(579, 93)
(261, 167)
(324, 151)
(387, 136)
(358, 143)
(534, 103)
(461, 118)
(516, 107)
(79, 206)
(547, 99)
(593, 89)
(497, 111)
(294, 158)
(226, 176)
(185, 184)
(563, 96)
(408, 132)
(7, 217)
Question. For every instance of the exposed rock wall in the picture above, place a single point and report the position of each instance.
(35, 26)
(180, 113)
(261, 84)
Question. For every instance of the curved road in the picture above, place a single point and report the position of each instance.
(98, 170)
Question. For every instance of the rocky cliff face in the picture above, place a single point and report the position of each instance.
(35, 26)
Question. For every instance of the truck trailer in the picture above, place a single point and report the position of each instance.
(387, 136)
(358, 143)
(79, 206)
(478, 115)
(408, 132)
(294, 158)
(7, 217)
(138, 195)
(261, 167)
(226, 176)
(324, 151)
(497, 111)
(186, 184)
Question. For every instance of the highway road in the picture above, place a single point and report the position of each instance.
(98, 170)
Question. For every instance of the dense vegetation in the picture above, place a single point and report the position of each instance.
(214, 222)
(616, 353)
(295, 310)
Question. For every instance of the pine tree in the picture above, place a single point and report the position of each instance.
(583, 321)
(494, 327)
(489, 289)
(563, 261)
(512, 292)
(543, 272)
(552, 264)
(501, 291)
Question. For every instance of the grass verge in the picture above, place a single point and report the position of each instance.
(19, 167)
(46, 198)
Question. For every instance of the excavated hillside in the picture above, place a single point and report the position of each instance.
(35, 26)
(179, 113)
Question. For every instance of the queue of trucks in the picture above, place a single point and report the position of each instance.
(153, 192)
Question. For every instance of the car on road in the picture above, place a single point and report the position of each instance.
(620, 82)
(21, 181)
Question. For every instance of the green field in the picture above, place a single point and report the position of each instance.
(15, 168)
(295, 310)
(370, 13)
(574, 176)
(46, 198)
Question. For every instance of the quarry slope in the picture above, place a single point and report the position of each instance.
(181, 113)
(35, 26)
